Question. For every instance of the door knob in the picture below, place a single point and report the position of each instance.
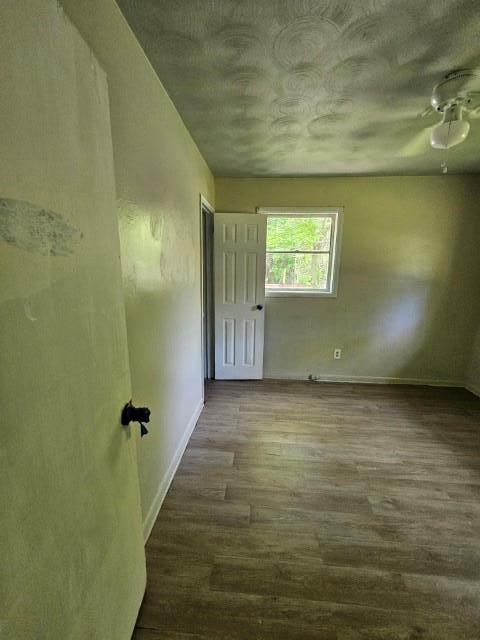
(259, 307)
(136, 414)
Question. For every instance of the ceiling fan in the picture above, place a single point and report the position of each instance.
(456, 96)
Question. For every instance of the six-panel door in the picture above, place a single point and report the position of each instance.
(239, 241)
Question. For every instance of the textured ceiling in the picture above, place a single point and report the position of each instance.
(310, 87)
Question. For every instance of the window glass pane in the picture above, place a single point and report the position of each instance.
(304, 234)
(297, 271)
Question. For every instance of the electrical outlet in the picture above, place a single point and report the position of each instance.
(337, 354)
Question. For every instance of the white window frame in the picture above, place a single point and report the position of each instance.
(336, 214)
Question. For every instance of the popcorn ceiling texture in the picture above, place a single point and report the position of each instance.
(310, 87)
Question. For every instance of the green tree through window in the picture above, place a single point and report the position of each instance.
(299, 252)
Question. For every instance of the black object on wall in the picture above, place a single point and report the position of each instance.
(136, 414)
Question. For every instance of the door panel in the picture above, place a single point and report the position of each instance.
(229, 282)
(249, 343)
(251, 278)
(239, 242)
(71, 550)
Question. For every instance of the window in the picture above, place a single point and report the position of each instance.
(302, 251)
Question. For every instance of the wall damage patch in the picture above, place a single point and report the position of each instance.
(28, 226)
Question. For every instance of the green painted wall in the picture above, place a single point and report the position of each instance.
(408, 288)
(159, 177)
(72, 563)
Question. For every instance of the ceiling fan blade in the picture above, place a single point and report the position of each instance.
(418, 145)
(427, 112)
(474, 114)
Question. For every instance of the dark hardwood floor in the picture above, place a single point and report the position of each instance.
(307, 511)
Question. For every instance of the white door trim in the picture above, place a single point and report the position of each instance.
(204, 205)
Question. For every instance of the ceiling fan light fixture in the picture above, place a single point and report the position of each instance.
(451, 131)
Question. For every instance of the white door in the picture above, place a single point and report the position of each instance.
(239, 253)
(72, 561)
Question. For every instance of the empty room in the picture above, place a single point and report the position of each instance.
(240, 320)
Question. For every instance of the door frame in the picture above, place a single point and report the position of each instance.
(207, 315)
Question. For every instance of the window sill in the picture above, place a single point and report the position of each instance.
(299, 294)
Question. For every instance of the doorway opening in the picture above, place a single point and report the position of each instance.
(207, 293)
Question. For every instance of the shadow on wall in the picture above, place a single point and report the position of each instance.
(397, 323)
(450, 309)
(407, 306)
(162, 303)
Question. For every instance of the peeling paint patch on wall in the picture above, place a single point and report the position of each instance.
(31, 227)
(163, 247)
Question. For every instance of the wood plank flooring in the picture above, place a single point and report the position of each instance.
(307, 511)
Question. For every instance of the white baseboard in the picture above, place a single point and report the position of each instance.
(431, 382)
(473, 388)
(168, 477)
